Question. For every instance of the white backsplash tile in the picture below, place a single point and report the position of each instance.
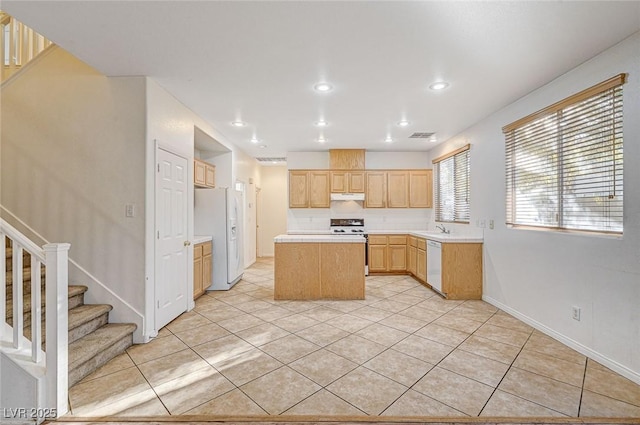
(310, 219)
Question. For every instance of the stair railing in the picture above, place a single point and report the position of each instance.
(18, 45)
(55, 359)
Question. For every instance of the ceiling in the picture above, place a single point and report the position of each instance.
(258, 61)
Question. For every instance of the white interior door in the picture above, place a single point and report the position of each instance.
(171, 280)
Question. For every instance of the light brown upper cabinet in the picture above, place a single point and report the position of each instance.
(204, 174)
(397, 189)
(376, 189)
(421, 189)
(347, 181)
(309, 189)
(346, 159)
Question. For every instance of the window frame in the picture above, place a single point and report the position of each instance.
(461, 180)
(514, 145)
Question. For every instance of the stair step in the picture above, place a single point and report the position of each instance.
(26, 275)
(75, 299)
(82, 320)
(76, 295)
(97, 348)
(86, 319)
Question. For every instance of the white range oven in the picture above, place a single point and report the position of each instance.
(352, 226)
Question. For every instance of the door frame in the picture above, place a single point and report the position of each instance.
(151, 247)
(258, 221)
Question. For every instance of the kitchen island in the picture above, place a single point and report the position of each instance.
(314, 267)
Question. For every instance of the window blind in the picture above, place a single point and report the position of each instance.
(452, 186)
(564, 164)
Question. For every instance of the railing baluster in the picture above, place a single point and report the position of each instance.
(36, 310)
(18, 307)
(3, 279)
(12, 46)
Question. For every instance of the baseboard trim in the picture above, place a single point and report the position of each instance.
(582, 349)
(313, 420)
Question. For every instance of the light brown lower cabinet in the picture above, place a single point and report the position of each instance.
(312, 271)
(462, 271)
(421, 264)
(202, 268)
(387, 253)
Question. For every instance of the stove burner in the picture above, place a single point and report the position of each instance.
(347, 225)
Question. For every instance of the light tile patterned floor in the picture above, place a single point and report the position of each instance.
(404, 351)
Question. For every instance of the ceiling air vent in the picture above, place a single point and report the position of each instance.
(274, 159)
(421, 135)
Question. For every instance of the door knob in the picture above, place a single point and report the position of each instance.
(187, 243)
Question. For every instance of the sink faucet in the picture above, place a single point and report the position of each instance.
(443, 229)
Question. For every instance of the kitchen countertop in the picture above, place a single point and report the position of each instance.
(316, 238)
(201, 239)
(431, 235)
(447, 237)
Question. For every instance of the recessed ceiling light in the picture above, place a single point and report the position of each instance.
(323, 87)
(433, 139)
(403, 123)
(439, 85)
(254, 140)
(321, 139)
(321, 123)
(238, 123)
(388, 139)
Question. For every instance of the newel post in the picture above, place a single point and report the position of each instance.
(57, 322)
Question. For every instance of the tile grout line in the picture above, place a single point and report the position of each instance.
(584, 380)
(505, 374)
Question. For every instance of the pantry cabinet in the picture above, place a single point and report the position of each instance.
(204, 174)
(309, 189)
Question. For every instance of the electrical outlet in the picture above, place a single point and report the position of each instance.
(129, 210)
(491, 224)
(576, 313)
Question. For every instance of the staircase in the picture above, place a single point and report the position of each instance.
(92, 340)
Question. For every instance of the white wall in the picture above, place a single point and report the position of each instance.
(317, 219)
(273, 207)
(72, 157)
(540, 275)
(171, 125)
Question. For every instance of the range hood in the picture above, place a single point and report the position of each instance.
(347, 196)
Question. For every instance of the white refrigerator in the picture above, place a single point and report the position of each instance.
(218, 212)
